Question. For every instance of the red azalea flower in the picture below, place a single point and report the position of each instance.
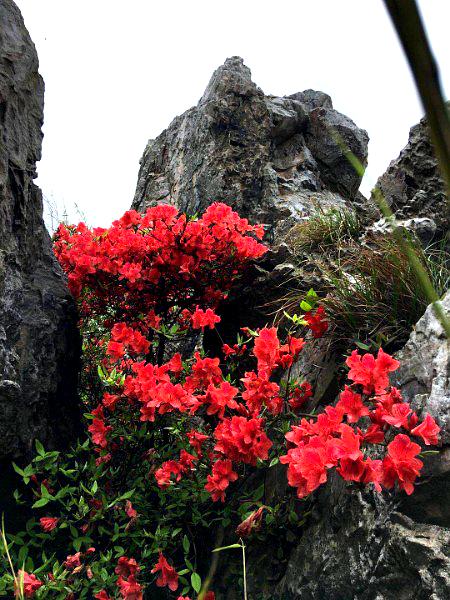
(251, 523)
(374, 434)
(130, 589)
(72, 561)
(219, 480)
(218, 398)
(266, 350)
(102, 595)
(48, 523)
(227, 350)
(401, 465)
(204, 318)
(110, 400)
(352, 405)
(131, 512)
(99, 431)
(370, 372)
(30, 584)
(168, 576)
(126, 567)
(428, 430)
(398, 415)
(300, 395)
(242, 440)
(260, 392)
(196, 440)
(317, 322)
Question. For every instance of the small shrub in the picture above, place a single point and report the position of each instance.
(179, 447)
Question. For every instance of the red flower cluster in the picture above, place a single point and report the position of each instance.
(151, 278)
(48, 523)
(167, 574)
(242, 440)
(317, 322)
(327, 442)
(219, 480)
(29, 582)
(129, 266)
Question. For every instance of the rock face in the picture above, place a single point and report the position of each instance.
(412, 185)
(391, 546)
(39, 345)
(275, 161)
(272, 159)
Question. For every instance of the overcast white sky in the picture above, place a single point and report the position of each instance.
(117, 73)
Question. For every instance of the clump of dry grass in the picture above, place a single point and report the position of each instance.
(368, 286)
(325, 230)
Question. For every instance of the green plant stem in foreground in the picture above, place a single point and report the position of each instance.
(401, 237)
(244, 569)
(406, 19)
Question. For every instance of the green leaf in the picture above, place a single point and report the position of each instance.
(183, 572)
(39, 448)
(274, 461)
(94, 487)
(227, 547)
(305, 306)
(362, 346)
(41, 502)
(77, 544)
(196, 582)
(186, 544)
(122, 497)
(18, 470)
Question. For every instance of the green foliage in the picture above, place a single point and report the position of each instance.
(324, 230)
(370, 285)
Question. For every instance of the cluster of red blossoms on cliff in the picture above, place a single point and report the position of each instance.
(152, 280)
(334, 439)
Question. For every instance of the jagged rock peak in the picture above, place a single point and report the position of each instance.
(271, 158)
(233, 77)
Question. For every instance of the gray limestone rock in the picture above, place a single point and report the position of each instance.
(39, 344)
(412, 185)
(272, 158)
(366, 546)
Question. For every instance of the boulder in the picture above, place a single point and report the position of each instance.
(273, 159)
(39, 345)
(367, 546)
(412, 184)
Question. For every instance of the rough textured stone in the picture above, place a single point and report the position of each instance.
(391, 546)
(272, 159)
(412, 185)
(38, 341)
(275, 161)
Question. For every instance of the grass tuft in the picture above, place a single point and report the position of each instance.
(368, 286)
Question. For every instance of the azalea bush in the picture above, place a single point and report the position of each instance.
(176, 437)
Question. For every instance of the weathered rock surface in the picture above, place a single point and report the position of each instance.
(391, 546)
(39, 344)
(272, 159)
(412, 185)
(275, 161)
